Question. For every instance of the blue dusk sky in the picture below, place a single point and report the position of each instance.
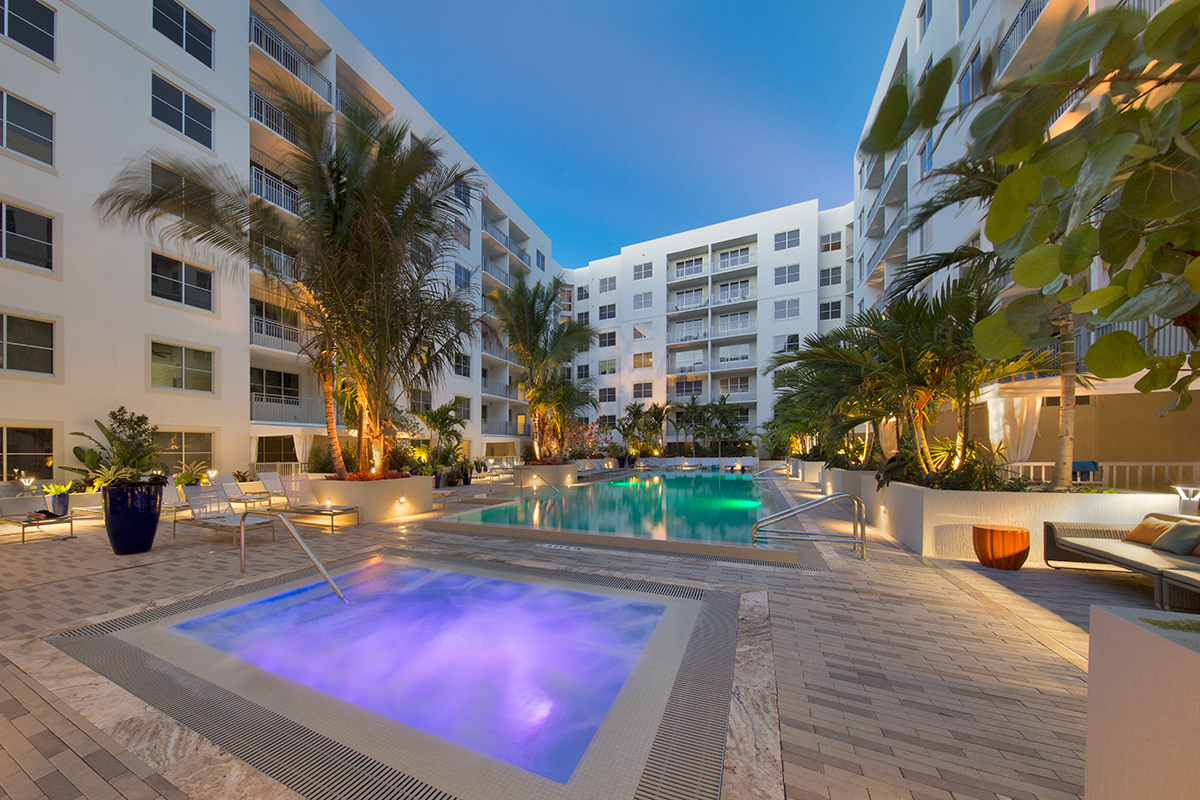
(615, 122)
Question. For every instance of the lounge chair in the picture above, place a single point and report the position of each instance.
(16, 511)
(749, 463)
(302, 501)
(273, 485)
(171, 501)
(709, 464)
(674, 463)
(690, 463)
(211, 509)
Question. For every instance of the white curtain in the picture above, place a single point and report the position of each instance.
(1012, 423)
(889, 436)
(303, 443)
(253, 451)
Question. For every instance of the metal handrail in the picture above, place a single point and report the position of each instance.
(542, 478)
(858, 535)
(283, 519)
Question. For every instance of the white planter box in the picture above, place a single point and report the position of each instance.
(1142, 705)
(87, 501)
(937, 523)
(811, 471)
(561, 475)
(379, 500)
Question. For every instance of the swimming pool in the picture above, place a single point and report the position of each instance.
(689, 506)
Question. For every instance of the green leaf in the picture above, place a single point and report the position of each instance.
(1171, 35)
(1163, 372)
(1026, 314)
(994, 340)
(1146, 303)
(1097, 298)
(1135, 281)
(1019, 122)
(1115, 355)
(1079, 42)
(1037, 267)
(1010, 203)
(892, 111)
(1095, 178)
(1070, 293)
(1181, 301)
(931, 94)
(1079, 248)
(1166, 125)
(1062, 160)
(1119, 236)
(1035, 231)
(1168, 186)
(1192, 274)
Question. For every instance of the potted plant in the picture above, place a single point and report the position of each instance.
(57, 497)
(120, 465)
(191, 474)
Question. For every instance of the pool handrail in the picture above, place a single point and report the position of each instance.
(858, 535)
(284, 520)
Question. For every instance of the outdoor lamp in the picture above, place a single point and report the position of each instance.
(27, 482)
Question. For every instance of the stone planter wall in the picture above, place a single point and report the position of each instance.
(811, 471)
(92, 501)
(937, 523)
(562, 475)
(379, 500)
(1141, 708)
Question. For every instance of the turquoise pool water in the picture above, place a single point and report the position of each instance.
(695, 506)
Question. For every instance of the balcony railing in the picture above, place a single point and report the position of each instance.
(283, 265)
(687, 303)
(733, 330)
(725, 298)
(680, 272)
(889, 237)
(273, 117)
(349, 102)
(1018, 32)
(274, 190)
(509, 244)
(686, 369)
(283, 54)
(495, 388)
(730, 264)
(499, 351)
(732, 362)
(681, 337)
(498, 272)
(506, 429)
(900, 159)
(267, 333)
(296, 410)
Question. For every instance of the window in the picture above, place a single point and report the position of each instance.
(26, 345)
(643, 300)
(736, 258)
(583, 372)
(689, 266)
(422, 401)
(608, 366)
(643, 391)
(462, 277)
(177, 109)
(787, 240)
(274, 384)
(581, 293)
(608, 395)
(27, 452)
(970, 85)
(27, 237)
(608, 312)
(743, 415)
(924, 236)
(462, 407)
(689, 298)
(643, 360)
(606, 421)
(182, 192)
(734, 291)
(188, 446)
(788, 343)
(689, 331)
(171, 279)
(925, 154)
(461, 234)
(28, 130)
(643, 330)
(785, 309)
(608, 284)
(462, 364)
(831, 276)
(463, 193)
(643, 271)
(965, 7)
(273, 312)
(733, 354)
(541, 260)
(788, 274)
(583, 316)
(176, 367)
(30, 23)
(831, 310)
(607, 339)
(733, 322)
(183, 28)
(924, 17)
(831, 242)
(689, 388)
(738, 385)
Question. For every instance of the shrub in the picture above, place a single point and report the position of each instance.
(373, 476)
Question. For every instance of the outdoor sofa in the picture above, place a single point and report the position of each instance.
(1176, 575)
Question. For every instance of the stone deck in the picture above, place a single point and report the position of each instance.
(899, 677)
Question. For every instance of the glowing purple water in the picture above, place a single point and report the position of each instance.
(519, 672)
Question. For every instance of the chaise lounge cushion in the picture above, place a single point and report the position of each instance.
(1181, 539)
(1149, 529)
(1132, 555)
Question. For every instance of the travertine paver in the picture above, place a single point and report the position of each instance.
(897, 678)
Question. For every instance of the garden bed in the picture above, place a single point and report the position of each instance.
(560, 475)
(379, 499)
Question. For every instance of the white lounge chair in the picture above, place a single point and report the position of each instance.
(273, 484)
(211, 509)
(303, 502)
(709, 464)
(674, 463)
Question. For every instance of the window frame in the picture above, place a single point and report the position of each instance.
(606, 394)
(186, 33)
(643, 390)
(646, 359)
(825, 276)
(462, 361)
(787, 304)
(606, 366)
(6, 453)
(185, 109)
(608, 284)
(184, 369)
(643, 271)
(825, 310)
(831, 242)
(6, 12)
(5, 233)
(606, 339)
(787, 242)
(643, 300)
(608, 311)
(724, 385)
(6, 97)
(582, 293)
(182, 281)
(787, 271)
(186, 454)
(6, 343)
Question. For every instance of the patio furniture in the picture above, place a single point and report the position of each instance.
(272, 484)
(171, 501)
(16, 511)
(443, 496)
(211, 509)
(709, 464)
(1085, 472)
(1000, 546)
(302, 501)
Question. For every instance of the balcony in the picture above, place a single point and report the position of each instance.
(498, 350)
(728, 298)
(679, 272)
(685, 336)
(885, 195)
(687, 303)
(273, 118)
(267, 333)
(733, 362)
(351, 103)
(1030, 37)
(290, 410)
(495, 388)
(274, 190)
(721, 331)
(490, 229)
(686, 369)
(506, 429)
(889, 238)
(287, 57)
(498, 272)
(734, 264)
(279, 264)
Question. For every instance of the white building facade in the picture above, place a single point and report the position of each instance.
(94, 316)
(700, 313)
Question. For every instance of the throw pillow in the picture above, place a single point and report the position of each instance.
(1149, 529)
(1180, 540)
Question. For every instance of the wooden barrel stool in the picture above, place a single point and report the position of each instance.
(1001, 546)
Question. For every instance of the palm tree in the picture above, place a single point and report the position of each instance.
(541, 343)
(656, 419)
(564, 401)
(726, 421)
(373, 224)
(631, 426)
(690, 417)
(443, 423)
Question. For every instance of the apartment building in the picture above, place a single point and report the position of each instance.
(887, 186)
(94, 316)
(699, 313)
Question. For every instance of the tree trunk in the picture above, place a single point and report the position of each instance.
(1061, 481)
(359, 442)
(924, 457)
(335, 446)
